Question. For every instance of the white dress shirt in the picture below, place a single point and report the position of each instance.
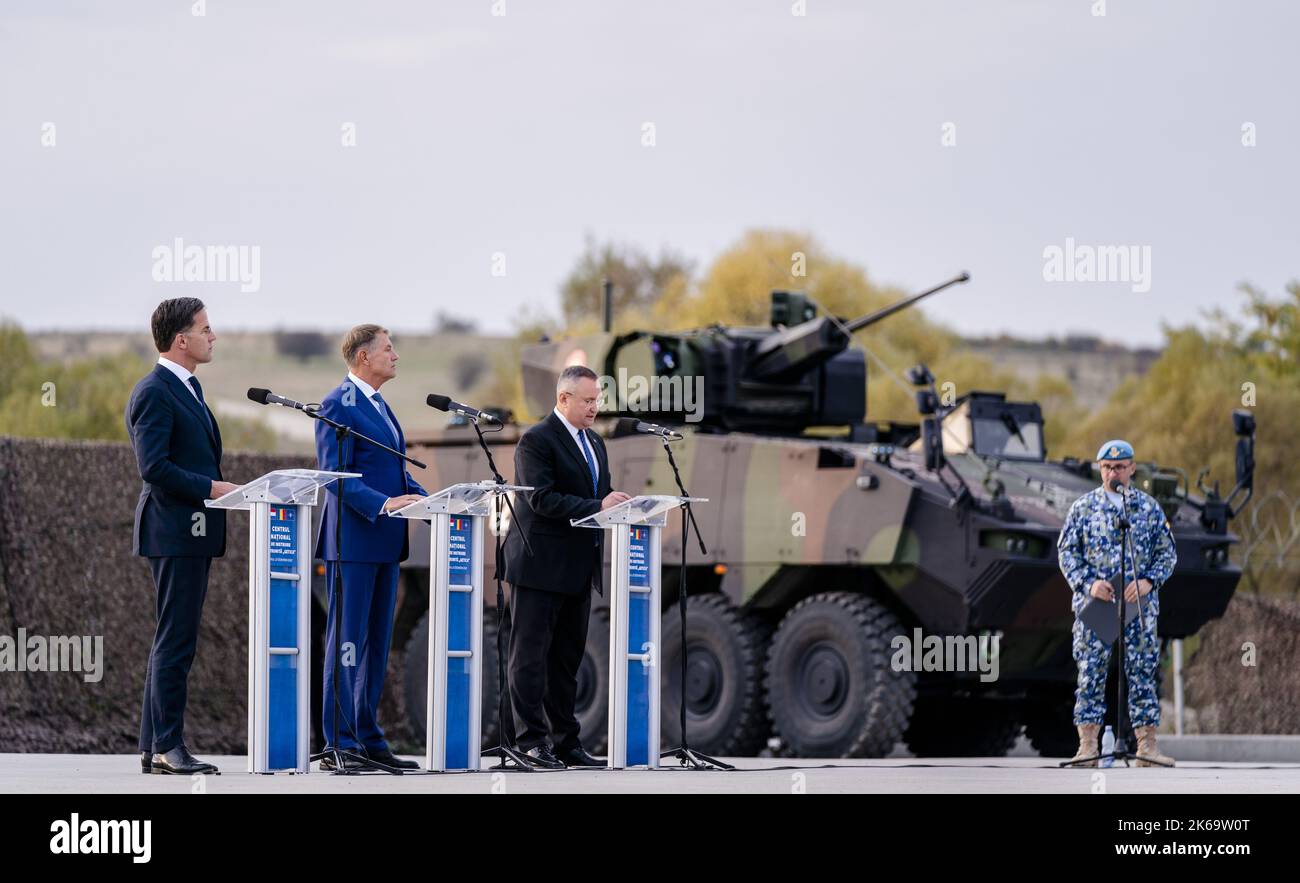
(182, 372)
(369, 391)
(573, 432)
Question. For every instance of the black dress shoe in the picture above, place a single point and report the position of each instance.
(146, 762)
(179, 762)
(211, 767)
(193, 759)
(542, 757)
(349, 763)
(389, 759)
(578, 757)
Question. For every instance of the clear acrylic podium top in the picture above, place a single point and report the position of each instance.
(470, 498)
(283, 487)
(650, 510)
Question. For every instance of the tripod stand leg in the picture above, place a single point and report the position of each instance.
(503, 750)
(695, 760)
(684, 755)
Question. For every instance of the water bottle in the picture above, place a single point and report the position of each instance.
(1107, 746)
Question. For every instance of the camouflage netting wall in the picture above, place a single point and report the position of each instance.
(1229, 696)
(66, 568)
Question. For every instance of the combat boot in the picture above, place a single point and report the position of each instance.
(1087, 744)
(1147, 748)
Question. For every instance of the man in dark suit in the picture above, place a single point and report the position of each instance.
(550, 599)
(178, 450)
(373, 543)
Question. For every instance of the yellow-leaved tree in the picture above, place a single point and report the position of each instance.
(1178, 414)
(736, 290)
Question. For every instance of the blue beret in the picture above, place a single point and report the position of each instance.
(1115, 449)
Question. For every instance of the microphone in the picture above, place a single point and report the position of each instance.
(266, 397)
(628, 424)
(442, 403)
(1118, 487)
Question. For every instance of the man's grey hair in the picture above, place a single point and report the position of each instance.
(570, 376)
(359, 338)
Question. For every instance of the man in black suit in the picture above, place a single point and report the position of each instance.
(178, 450)
(550, 599)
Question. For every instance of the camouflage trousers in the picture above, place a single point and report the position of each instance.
(1093, 658)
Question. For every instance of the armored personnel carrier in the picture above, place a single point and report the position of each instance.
(840, 551)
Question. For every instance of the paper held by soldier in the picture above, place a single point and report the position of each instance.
(1101, 616)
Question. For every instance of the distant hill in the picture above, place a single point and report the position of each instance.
(1092, 367)
(304, 365)
(307, 365)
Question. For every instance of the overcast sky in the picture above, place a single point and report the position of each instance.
(517, 134)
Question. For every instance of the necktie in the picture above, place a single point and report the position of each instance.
(591, 463)
(595, 492)
(383, 412)
(203, 406)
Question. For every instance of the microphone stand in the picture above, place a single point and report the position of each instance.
(1127, 539)
(685, 755)
(336, 754)
(1121, 686)
(503, 749)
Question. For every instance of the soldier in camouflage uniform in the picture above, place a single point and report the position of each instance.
(1089, 553)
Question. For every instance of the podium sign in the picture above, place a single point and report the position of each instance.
(634, 624)
(279, 613)
(453, 711)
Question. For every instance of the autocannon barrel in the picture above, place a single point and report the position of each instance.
(793, 351)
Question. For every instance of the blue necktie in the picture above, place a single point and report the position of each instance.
(203, 406)
(383, 412)
(591, 463)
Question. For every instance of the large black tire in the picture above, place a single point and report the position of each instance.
(725, 710)
(415, 678)
(948, 726)
(1049, 725)
(318, 618)
(591, 705)
(831, 691)
(491, 688)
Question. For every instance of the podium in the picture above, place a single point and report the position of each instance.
(453, 712)
(279, 613)
(634, 614)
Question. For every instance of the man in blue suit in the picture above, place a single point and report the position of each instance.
(373, 543)
(178, 451)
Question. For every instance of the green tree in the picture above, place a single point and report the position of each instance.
(1178, 415)
(15, 355)
(83, 398)
(640, 281)
(736, 290)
